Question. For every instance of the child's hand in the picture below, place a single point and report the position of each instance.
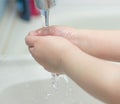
(68, 33)
(49, 51)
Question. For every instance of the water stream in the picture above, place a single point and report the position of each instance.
(55, 88)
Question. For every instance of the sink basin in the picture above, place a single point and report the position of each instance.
(45, 92)
(22, 80)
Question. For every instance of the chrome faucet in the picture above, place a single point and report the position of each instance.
(44, 6)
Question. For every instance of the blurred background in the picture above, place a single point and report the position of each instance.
(19, 17)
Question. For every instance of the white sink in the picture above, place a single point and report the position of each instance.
(42, 92)
(22, 80)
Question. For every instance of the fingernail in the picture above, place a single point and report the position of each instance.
(45, 31)
(33, 33)
(39, 31)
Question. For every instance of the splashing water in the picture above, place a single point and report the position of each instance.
(56, 88)
(45, 23)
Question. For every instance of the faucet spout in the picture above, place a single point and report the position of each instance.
(45, 4)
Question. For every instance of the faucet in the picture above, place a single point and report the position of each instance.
(44, 6)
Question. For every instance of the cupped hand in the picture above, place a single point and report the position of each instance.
(69, 33)
(49, 51)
